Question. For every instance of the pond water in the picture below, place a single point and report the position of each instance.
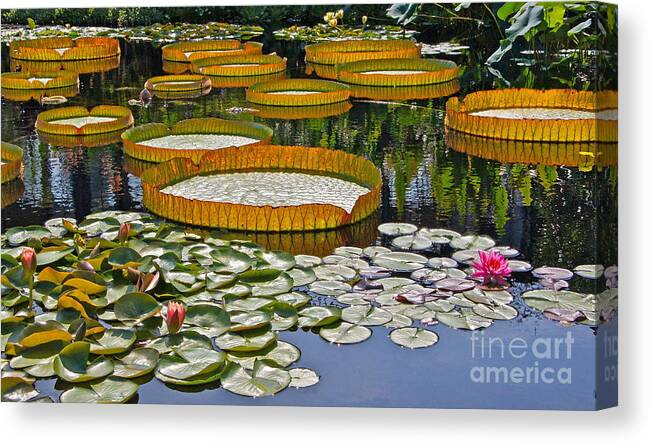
(548, 211)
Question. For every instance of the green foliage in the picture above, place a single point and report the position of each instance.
(31, 24)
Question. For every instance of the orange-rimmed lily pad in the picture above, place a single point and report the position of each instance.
(189, 51)
(298, 92)
(11, 161)
(192, 138)
(397, 72)
(244, 65)
(79, 121)
(179, 86)
(344, 51)
(554, 115)
(246, 206)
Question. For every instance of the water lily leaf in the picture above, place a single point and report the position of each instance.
(345, 333)
(262, 380)
(303, 377)
(353, 299)
(302, 276)
(400, 261)
(133, 308)
(259, 275)
(295, 299)
(455, 285)
(285, 316)
(348, 251)
(497, 297)
(398, 321)
(245, 341)
(282, 354)
(589, 271)
(438, 236)
(373, 251)
(20, 235)
(282, 284)
(42, 332)
(52, 254)
(519, 266)
(552, 273)
(40, 354)
(307, 261)
(442, 262)
(567, 300)
(464, 320)
(365, 315)
(330, 288)
(412, 242)
(113, 341)
(334, 273)
(212, 319)
(189, 363)
(73, 365)
(137, 363)
(497, 312)
(215, 281)
(427, 276)
(184, 338)
(123, 256)
(248, 304)
(16, 387)
(412, 337)
(564, 316)
(108, 391)
(397, 229)
(278, 260)
(248, 320)
(318, 316)
(472, 242)
(231, 260)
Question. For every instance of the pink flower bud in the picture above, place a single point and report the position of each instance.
(28, 259)
(123, 234)
(87, 266)
(175, 316)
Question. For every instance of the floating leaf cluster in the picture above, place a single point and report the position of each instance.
(102, 286)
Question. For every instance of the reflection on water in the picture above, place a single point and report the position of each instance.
(541, 200)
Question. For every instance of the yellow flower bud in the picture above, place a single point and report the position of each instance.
(333, 22)
(340, 14)
(364, 19)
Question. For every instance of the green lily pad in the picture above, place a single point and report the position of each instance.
(400, 262)
(412, 242)
(303, 377)
(498, 312)
(212, 320)
(345, 333)
(248, 320)
(365, 315)
(295, 299)
(121, 256)
(302, 276)
(330, 288)
(17, 387)
(73, 364)
(245, 341)
(112, 341)
(334, 273)
(190, 363)
(412, 337)
(464, 320)
(108, 391)
(133, 308)
(53, 255)
(397, 229)
(282, 284)
(137, 363)
(282, 354)
(277, 260)
(262, 380)
(586, 271)
(472, 242)
(318, 316)
(284, 317)
(440, 236)
(249, 304)
(231, 260)
(20, 235)
(307, 261)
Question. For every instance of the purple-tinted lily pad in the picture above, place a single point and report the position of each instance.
(564, 316)
(442, 262)
(552, 273)
(455, 285)
(374, 272)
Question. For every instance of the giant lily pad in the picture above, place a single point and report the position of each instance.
(108, 391)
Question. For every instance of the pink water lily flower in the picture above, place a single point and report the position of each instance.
(492, 268)
(175, 316)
